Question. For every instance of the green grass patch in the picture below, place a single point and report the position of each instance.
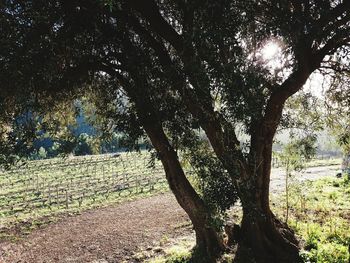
(324, 162)
(180, 252)
(320, 216)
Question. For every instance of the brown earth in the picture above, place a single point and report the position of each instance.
(116, 233)
(112, 234)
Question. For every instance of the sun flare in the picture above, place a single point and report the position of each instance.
(270, 50)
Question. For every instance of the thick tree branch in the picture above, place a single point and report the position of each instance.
(185, 194)
(220, 133)
(150, 11)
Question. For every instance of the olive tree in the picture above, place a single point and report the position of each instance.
(169, 68)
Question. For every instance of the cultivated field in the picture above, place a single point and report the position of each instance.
(46, 187)
(34, 193)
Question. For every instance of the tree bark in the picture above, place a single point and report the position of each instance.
(209, 241)
(269, 239)
(261, 231)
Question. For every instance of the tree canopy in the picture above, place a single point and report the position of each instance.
(170, 68)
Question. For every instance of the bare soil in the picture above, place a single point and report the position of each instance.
(116, 233)
(112, 234)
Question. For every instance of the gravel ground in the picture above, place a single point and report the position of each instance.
(116, 233)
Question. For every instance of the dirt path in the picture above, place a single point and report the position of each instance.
(110, 234)
(277, 183)
(115, 233)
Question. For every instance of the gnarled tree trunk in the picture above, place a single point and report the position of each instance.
(269, 239)
(209, 242)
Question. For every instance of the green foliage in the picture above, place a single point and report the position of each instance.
(313, 237)
(296, 153)
(211, 179)
(86, 145)
(333, 253)
(172, 67)
(294, 157)
(226, 70)
(303, 112)
(179, 258)
(319, 214)
(320, 222)
(180, 252)
(338, 114)
(327, 253)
